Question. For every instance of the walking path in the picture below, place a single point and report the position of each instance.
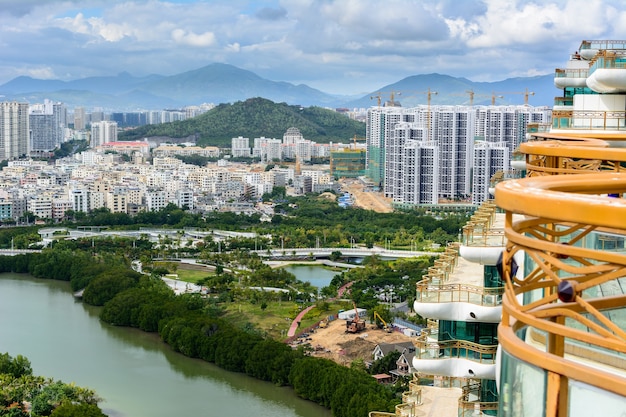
(296, 322)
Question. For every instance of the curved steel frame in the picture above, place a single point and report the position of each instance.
(558, 211)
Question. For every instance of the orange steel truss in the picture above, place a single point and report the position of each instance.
(565, 198)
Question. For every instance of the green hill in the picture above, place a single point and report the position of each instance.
(254, 118)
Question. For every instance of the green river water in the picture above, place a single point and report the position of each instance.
(134, 372)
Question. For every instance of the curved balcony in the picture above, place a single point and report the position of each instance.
(589, 49)
(564, 294)
(571, 77)
(469, 407)
(458, 302)
(569, 155)
(608, 80)
(455, 358)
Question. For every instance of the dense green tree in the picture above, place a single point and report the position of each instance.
(109, 283)
(69, 409)
(386, 363)
(15, 366)
(271, 360)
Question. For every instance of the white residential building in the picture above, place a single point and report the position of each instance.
(489, 158)
(156, 200)
(14, 130)
(453, 130)
(79, 199)
(103, 132)
(240, 147)
(420, 178)
(304, 150)
(47, 122)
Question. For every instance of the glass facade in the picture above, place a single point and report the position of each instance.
(482, 333)
(586, 400)
(492, 277)
(522, 389)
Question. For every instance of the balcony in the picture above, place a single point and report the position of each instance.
(458, 302)
(470, 404)
(571, 77)
(423, 401)
(455, 358)
(563, 327)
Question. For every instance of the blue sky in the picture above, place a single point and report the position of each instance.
(337, 46)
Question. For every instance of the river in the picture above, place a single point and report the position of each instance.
(134, 372)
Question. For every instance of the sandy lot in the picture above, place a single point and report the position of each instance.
(334, 343)
(368, 200)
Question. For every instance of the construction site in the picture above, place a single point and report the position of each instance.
(364, 197)
(337, 343)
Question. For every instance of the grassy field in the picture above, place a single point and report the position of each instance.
(277, 316)
(185, 273)
(192, 276)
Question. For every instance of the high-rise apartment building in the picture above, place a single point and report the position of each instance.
(14, 130)
(240, 147)
(103, 132)
(420, 179)
(47, 125)
(453, 130)
(395, 148)
(80, 118)
(489, 158)
(380, 124)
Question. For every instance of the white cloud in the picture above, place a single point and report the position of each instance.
(343, 44)
(205, 39)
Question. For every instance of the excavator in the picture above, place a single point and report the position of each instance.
(386, 327)
(355, 325)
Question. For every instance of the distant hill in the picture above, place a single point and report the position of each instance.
(447, 90)
(253, 118)
(222, 83)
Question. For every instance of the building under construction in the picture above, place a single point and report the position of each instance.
(348, 163)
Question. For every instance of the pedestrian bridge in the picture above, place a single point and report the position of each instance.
(13, 252)
(349, 252)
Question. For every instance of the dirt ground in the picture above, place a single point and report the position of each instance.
(334, 343)
(368, 200)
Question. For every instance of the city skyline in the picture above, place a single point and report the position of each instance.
(343, 47)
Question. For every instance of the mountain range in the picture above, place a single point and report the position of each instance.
(223, 83)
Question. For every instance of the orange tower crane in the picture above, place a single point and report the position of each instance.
(379, 96)
(471, 94)
(355, 139)
(525, 92)
(494, 96)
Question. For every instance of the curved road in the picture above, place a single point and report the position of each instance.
(296, 321)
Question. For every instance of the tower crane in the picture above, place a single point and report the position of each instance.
(471, 94)
(379, 95)
(429, 93)
(525, 92)
(494, 97)
(355, 139)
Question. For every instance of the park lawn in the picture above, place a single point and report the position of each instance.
(192, 276)
(185, 272)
